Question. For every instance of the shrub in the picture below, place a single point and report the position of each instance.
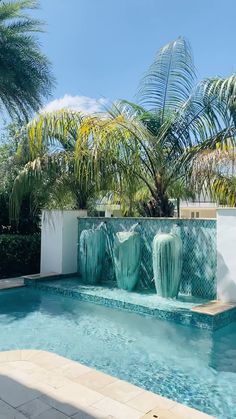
(19, 255)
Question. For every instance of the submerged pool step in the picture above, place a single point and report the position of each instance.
(210, 315)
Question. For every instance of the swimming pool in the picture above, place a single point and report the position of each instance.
(193, 366)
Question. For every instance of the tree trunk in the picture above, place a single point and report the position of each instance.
(159, 206)
(178, 207)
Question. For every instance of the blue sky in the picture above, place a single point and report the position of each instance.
(100, 48)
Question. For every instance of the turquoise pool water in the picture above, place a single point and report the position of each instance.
(193, 366)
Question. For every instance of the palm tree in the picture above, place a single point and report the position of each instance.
(151, 144)
(52, 171)
(25, 76)
(175, 120)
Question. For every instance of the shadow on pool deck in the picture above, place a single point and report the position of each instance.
(20, 402)
(43, 385)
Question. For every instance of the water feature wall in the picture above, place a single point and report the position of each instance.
(199, 251)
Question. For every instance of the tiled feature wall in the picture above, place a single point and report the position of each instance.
(199, 250)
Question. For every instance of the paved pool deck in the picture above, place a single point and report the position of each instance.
(43, 385)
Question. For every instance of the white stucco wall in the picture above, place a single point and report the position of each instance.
(51, 242)
(226, 254)
(59, 236)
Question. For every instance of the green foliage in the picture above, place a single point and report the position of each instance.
(52, 173)
(10, 165)
(25, 75)
(19, 254)
(153, 143)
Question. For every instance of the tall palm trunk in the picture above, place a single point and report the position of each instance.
(159, 205)
(163, 206)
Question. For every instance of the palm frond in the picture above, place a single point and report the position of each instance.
(25, 72)
(169, 81)
(57, 130)
(225, 90)
(13, 9)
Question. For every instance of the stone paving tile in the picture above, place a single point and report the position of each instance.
(52, 414)
(52, 379)
(72, 370)
(34, 408)
(7, 412)
(59, 405)
(7, 356)
(44, 385)
(21, 365)
(77, 395)
(213, 307)
(118, 410)
(95, 380)
(14, 393)
(121, 391)
(11, 283)
(27, 368)
(91, 413)
(161, 414)
(147, 401)
(6, 368)
(49, 360)
(29, 354)
(16, 376)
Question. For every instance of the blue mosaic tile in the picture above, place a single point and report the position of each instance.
(182, 314)
(199, 250)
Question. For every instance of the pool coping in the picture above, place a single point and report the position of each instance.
(7, 283)
(40, 382)
(214, 307)
(200, 316)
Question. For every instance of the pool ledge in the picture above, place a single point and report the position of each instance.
(185, 313)
(214, 307)
(8, 283)
(42, 384)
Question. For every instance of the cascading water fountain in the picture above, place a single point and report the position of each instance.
(127, 258)
(92, 254)
(167, 263)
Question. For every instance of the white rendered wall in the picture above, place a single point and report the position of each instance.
(226, 254)
(51, 242)
(59, 236)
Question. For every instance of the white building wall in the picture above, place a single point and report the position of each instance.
(59, 237)
(226, 254)
(51, 242)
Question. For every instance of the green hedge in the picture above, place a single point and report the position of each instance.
(19, 255)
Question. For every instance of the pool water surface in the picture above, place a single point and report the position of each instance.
(192, 366)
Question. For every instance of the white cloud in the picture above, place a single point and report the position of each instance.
(83, 104)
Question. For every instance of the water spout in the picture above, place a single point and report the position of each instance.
(167, 264)
(127, 259)
(133, 227)
(91, 254)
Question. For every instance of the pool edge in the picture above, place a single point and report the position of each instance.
(99, 391)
